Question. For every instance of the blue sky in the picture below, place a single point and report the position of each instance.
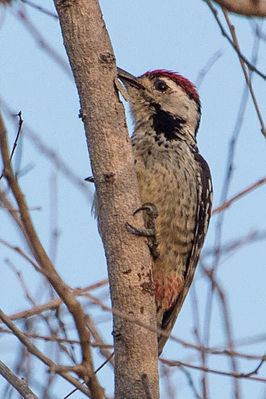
(180, 36)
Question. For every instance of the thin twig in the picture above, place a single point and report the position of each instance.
(39, 8)
(171, 337)
(225, 190)
(22, 253)
(190, 381)
(35, 351)
(177, 363)
(196, 318)
(55, 302)
(41, 40)
(228, 203)
(49, 153)
(86, 368)
(66, 340)
(227, 325)
(206, 68)
(16, 139)
(18, 383)
(232, 30)
(232, 245)
(104, 351)
(257, 368)
(18, 134)
(247, 62)
(96, 371)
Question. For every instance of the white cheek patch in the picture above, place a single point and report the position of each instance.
(177, 102)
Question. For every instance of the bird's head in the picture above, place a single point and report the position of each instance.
(165, 98)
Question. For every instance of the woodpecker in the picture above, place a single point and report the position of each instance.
(173, 176)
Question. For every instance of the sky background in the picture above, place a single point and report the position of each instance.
(177, 35)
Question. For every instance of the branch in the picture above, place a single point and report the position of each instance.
(22, 253)
(233, 33)
(249, 8)
(54, 338)
(54, 303)
(228, 203)
(39, 8)
(41, 40)
(19, 384)
(35, 351)
(250, 66)
(132, 292)
(48, 152)
(177, 363)
(256, 370)
(63, 290)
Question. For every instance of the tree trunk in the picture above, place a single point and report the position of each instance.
(93, 64)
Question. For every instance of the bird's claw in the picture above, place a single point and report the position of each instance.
(140, 232)
(150, 209)
(149, 232)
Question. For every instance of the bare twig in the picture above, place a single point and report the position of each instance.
(232, 245)
(257, 29)
(35, 351)
(54, 229)
(228, 203)
(257, 368)
(109, 359)
(247, 62)
(41, 40)
(67, 340)
(39, 8)
(170, 386)
(190, 381)
(176, 363)
(49, 153)
(227, 325)
(18, 134)
(203, 354)
(225, 189)
(212, 351)
(175, 339)
(232, 30)
(63, 290)
(16, 139)
(19, 384)
(104, 351)
(206, 68)
(22, 253)
(55, 302)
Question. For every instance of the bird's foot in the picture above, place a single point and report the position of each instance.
(140, 232)
(151, 211)
(150, 231)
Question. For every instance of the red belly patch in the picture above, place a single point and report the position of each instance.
(167, 289)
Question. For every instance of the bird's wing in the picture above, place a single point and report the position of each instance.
(203, 216)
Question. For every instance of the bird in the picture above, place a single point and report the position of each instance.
(174, 182)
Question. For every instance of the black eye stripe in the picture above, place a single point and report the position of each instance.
(160, 85)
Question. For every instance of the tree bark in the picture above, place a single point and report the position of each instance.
(93, 64)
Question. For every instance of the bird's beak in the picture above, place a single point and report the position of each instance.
(129, 79)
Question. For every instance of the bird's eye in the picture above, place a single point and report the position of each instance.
(160, 85)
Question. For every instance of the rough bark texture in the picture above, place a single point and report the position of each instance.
(93, 64)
